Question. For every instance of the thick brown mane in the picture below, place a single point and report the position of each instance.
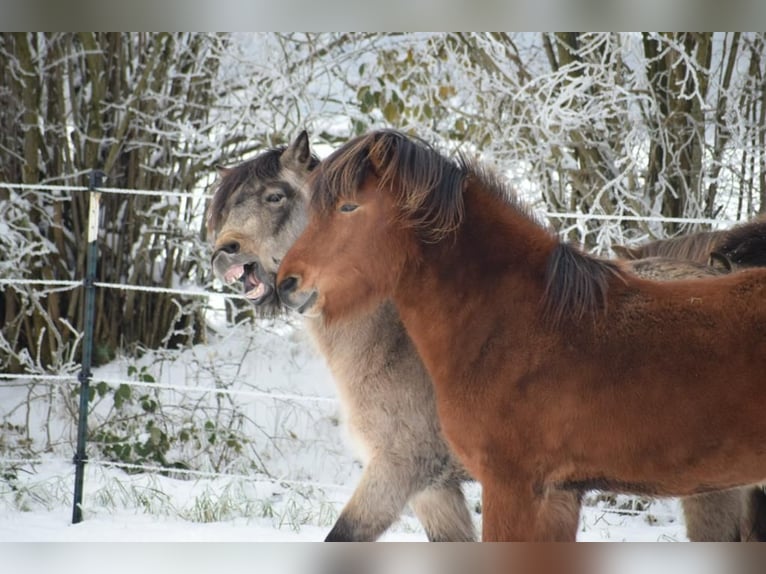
(576, 284)
(263, 167)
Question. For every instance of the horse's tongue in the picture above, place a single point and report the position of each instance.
(234, 273)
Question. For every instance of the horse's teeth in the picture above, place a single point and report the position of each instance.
(234, 274)
(256, 292)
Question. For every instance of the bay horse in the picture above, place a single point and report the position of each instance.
(554, 371)
(741, 246)
(258, 210)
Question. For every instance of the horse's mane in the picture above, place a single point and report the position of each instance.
(576, 284)
(429, 188)
(263, 167)
(693, 247)
(745, 244)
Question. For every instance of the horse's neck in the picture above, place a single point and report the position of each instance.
(344, 340)
(451, 301)
(495, 239)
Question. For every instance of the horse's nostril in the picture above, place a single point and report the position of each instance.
(231, 248)
(288, 285)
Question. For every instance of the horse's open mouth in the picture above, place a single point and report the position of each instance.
(255, 289)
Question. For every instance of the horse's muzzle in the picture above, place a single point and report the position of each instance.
(222, 261)
(299, 301)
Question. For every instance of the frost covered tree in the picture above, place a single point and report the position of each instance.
(153, 112)
(647, 124)
(584, 124)
(642, 124)
(125, 105)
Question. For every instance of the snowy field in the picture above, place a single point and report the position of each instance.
(158, 509)
(305, 471)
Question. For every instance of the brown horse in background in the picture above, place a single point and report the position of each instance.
(742, 246)
(554, 371)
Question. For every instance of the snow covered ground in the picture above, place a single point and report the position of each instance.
(304, 474)
(158, 509)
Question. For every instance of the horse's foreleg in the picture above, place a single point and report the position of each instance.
(509, 512)
(516, 512)
(376, 504)
(444, 514)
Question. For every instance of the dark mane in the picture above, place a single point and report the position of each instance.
(429, 185)
(263, 167)
(576, 284)
(745, 244)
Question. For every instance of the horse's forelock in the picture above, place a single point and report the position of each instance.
(339, 174)
(427, 186)
(263, 167)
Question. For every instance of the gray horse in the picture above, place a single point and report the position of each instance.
(259, 209)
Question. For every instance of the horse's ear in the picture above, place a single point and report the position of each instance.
(718, 260)
(298, 154)
(223, 171)
(626, 252)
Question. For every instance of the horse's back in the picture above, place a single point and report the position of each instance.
(742, 293)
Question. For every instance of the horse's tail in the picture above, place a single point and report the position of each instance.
(753, 528)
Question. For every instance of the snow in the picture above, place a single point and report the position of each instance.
(151, 508)
(134, 526)
(304, 473)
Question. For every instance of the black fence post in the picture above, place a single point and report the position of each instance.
(80, 457)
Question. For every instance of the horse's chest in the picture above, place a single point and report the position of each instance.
(464, 431)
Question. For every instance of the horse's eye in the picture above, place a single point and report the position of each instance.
(274, 198)
(348, 207)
